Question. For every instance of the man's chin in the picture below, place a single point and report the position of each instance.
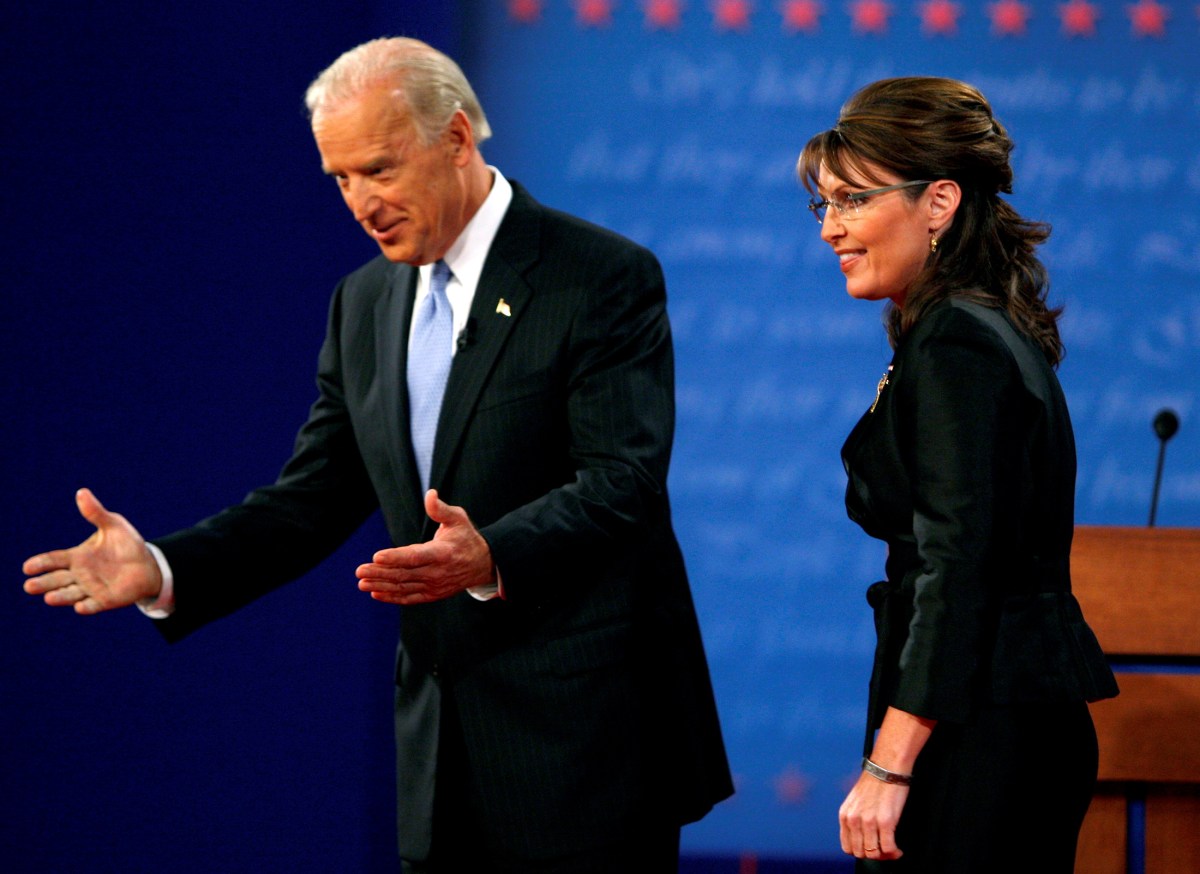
(398, 254)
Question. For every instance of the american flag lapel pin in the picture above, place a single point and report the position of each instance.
(503, 308)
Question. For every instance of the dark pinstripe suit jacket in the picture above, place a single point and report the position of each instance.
(584, 696)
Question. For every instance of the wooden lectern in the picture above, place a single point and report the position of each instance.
(1140, 592)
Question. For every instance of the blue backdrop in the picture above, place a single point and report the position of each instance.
(169, 248)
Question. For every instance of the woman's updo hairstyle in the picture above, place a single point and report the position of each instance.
(925, 127)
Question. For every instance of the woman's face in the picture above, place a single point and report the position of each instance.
(882, 248)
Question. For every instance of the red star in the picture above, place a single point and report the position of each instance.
(1079, 18)
(870, 16)
(525, 11)
(792, 786)
(663, 14)
(594, 13)
(732, 14)
(1009, 17)
(802, 15)
(939, 16)
(1149, 18)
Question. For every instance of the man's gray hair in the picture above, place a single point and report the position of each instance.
(431, 85)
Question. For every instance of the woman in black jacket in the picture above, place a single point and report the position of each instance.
(980, 750)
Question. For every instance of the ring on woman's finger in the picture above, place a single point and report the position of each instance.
(870, 849)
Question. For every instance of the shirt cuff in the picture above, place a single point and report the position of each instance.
(164, 605)
(488, 591)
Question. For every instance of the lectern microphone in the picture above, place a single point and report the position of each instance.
(1166, 423)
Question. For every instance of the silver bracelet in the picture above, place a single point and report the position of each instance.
(885, 775)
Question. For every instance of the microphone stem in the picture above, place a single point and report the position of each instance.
(1162, 451)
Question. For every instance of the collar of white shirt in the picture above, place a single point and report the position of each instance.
(467, 254)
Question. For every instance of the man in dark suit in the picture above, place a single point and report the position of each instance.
(553, 705)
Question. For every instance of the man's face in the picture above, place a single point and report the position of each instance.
(408, 196)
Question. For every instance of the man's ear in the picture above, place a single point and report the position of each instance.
(944, 197)
(459, 138)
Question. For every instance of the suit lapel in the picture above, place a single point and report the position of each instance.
(499, 303)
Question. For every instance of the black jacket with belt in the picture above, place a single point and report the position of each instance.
(966, 468)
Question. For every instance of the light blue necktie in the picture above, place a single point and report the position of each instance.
(428, 367)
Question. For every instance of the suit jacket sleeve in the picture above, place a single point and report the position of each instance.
(957, 398)
(279, 531)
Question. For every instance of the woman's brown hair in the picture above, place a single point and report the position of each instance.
(924, 127)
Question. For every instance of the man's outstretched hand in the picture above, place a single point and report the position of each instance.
(458, 558)
(112, 568)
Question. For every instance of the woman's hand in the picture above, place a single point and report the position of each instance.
(869, 816)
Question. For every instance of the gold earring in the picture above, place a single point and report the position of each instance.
(933, 241)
